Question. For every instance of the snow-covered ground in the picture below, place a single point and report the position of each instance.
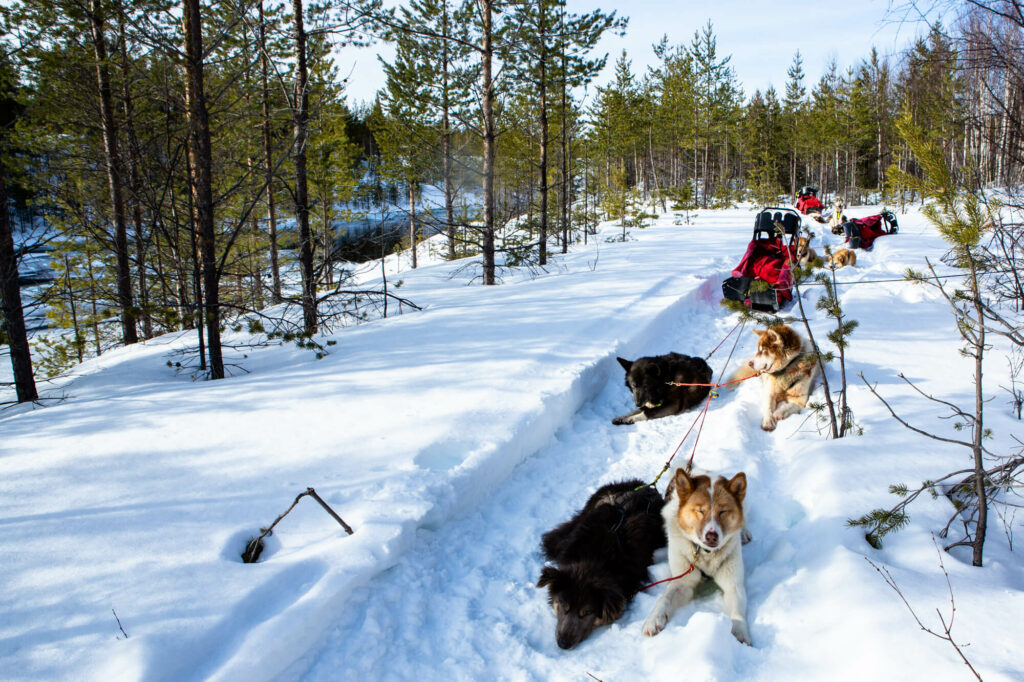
(451, 439)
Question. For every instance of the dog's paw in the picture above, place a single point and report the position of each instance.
(655, 623)
(768, 424)
(620, 421)
(740, 632)
(745, 536)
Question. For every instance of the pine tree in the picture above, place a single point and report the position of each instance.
(795, 125)
(96, 14)
(763, 146)
(717, 109)
(13, 327)
(432, 73)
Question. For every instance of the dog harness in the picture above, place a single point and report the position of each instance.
(788, 375)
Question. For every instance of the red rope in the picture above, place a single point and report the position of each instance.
(676, 451)
(667, 580)
(723, 340)
(704, 411)
(734, 381)
(704, 415)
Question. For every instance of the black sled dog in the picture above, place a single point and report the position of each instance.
(647, 379)
(601, 556)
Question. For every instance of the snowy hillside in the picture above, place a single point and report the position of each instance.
(451, 439)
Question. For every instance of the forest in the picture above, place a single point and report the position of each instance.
(197, 166)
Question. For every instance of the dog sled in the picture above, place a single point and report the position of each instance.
(807, 201)
(763, 280)
(861, 233)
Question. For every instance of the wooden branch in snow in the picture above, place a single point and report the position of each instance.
(946, 627)
(909, 426)
(251, 554)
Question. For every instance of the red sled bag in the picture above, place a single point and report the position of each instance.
(808, 204)
(807, 200)
(867, 230)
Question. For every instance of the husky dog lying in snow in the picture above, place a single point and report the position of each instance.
(705, 526)
(840, 258)
(647, 379)
(601, 556)
(805, 254)
(788, 368)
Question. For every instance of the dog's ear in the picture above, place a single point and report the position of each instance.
(548, 576)
(626, 364)
(614, 605)
(683, 484)
(737, 485)
(759, 332)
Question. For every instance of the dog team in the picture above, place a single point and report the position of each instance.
(598, 560)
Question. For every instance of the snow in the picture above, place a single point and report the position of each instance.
(450, 440)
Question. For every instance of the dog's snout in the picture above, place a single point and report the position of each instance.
(751, 363)
(711, 538)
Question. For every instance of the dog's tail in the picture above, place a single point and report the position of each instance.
(744, 371)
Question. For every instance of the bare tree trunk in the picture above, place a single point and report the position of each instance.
(978, 546)
(10, 297)
(202, 187)
(566, 181)
(133, 184)
(412, 222)
(542, 93)
(487, 113)
(79, 339)
(113, 161)
(300, 112)
(446, 139)
(95, 310)
(275, 270)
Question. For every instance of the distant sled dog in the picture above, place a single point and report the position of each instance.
(788, 367)
(705, 526)
(840, 258)
(805, 255)
(647, 379)
(601, 557)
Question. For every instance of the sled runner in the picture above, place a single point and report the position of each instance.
(768, 260)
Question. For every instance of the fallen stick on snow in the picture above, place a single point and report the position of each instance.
(255, 545)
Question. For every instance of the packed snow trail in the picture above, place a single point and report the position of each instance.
(462, 604)
(466, 590)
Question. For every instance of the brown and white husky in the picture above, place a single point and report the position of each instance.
(840, 258)
(788, 367)
(805, 255)
(704, 523)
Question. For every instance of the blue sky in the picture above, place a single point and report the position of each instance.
(762, 37)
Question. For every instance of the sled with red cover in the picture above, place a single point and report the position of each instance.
(768, 259)
(807, 200)
(871, 228)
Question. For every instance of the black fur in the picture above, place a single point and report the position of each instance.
(601, 556)
(647, 379)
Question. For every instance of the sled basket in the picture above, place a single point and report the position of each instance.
(767, 260)
(738, 289)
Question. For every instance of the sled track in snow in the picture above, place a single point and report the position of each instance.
(463, 596)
